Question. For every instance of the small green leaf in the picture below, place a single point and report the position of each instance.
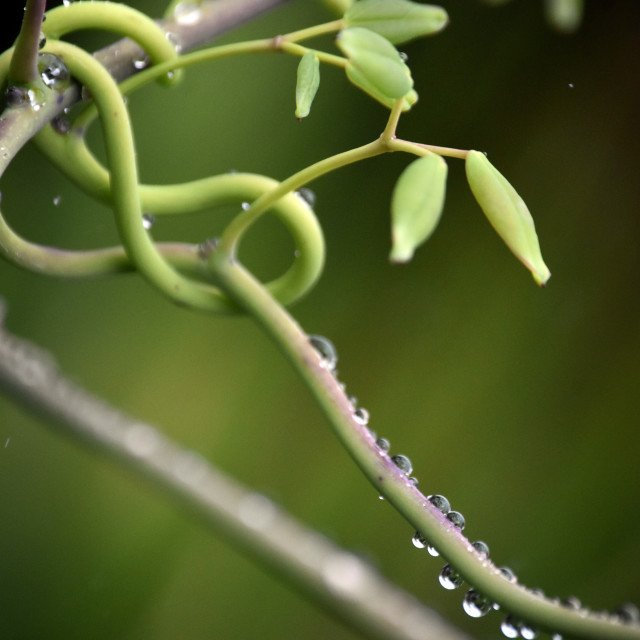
(507, 213)
(307, 84)
(362, 83)
(397, 20)
(375, 61)
(416, 205)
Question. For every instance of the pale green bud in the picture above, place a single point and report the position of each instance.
(507, 213)
(397, 20)
(416, 205)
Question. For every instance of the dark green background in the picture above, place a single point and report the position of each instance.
(520, 405)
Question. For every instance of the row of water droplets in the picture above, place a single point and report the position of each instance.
(474, 603)
(329, 358)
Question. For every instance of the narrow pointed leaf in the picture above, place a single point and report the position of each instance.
(376, 60)
(507, 213)
(307, 83)
(397, 20)
(416, 205)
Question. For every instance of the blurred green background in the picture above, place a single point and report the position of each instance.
(520, 405)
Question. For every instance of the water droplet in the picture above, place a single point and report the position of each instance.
(207, 247)
(53, 71)
(481, 547)
(36, 99)
(508, 573)
(628, 613)
(187, 13)
(175, 40)
(142, 61)
(475, 604)
(571, 85)
(383, 444)
(449, 578)
(528, 633)
(66, 3)
(57, 200)
(510, 628)
(571, 603)
(418, 540)
(307, 195)
(403, 56)
(326, 350)
(148, 220)
(61, 125)
(15, 96)
(403, 463)
(432, 551)
(245, 206)
(440, 503)
(414, 481)
(361, 416)
(556, 636)
(457, 519)
(43, 41)
(4, 152)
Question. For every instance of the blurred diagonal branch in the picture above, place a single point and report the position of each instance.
(206, 21)
(337, 579)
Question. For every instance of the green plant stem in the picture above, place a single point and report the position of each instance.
(240, 224)
(389, 481)
(214, 18)
(415, 147)
(299, 50)
(347, 587)
(24, 62)
(313, 32)
(389, 133)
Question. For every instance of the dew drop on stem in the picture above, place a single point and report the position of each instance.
(510, 627)
(326, 350)
(508, 573)
(432, 551)
(53, 70)
(571, 603)
(245, 206)
(528, 633)
(628, 613)
(481, 547)
(361, 416)
(403, 463)
(475, 604)
(187, 13)
(148, 220)
(383, 444)
(457, 519)
(440, 503)
(449, 578)
(141, 62)
(308, 196)
(418, 540)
